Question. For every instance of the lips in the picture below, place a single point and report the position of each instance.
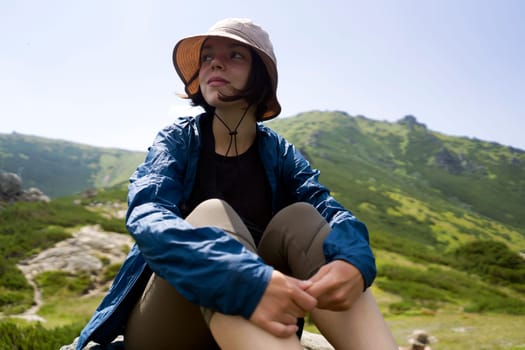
(217, 81)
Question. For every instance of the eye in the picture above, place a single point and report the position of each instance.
(237, 55)
(205, 57)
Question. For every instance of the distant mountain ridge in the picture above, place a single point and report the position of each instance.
(60, 168)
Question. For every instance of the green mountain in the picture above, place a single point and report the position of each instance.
(413, 182)
(60, 168)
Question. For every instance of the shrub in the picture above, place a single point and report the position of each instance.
(492, 260)
(431, 287)
(113, 225)
(60, 283)
(31, 337)
(401, 307)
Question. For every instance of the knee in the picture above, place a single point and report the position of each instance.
(299, 210)
(213, 207)
(211, 203)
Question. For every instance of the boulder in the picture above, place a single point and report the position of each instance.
(10, 185)
(33, 194)
(11, 190)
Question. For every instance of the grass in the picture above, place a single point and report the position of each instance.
(63, 312)
(455, 331)
(29, 336)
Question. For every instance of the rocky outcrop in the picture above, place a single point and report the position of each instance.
(310, 341)
(85, 251)
(11, 190)
(82, 252)
(411, 122)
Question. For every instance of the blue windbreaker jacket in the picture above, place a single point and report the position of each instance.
(205, 264)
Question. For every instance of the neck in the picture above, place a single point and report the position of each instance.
(234, 130)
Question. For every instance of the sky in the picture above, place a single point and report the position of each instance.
(99, 72)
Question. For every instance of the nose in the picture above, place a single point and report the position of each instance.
(217, 63)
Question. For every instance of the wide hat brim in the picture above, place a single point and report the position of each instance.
(186, 59)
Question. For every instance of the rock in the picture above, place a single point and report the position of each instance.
(33, 194)
(310, 341)
(10, 185)
(11, 190)
(82, 252)
(449, 161)
(411, 122)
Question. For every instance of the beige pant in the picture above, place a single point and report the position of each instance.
(292, 243)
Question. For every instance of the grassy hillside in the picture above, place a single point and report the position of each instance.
(60, 168)
(437, 189)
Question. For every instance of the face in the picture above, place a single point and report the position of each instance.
(225, 68)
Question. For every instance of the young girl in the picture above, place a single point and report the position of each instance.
(236, 240)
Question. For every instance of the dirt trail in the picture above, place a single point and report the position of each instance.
(31, 314)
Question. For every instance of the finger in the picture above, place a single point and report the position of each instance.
(304, 284)
(281, 330)
(301, 284)
(287, 319)
(304, 301)
(319, 287)
(301, 299)
(337, 301)
(323, 271)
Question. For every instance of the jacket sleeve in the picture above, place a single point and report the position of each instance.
(205, 264)
(348, 239)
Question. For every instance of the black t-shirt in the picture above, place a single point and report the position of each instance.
(239, 180)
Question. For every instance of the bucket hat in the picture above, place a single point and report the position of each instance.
(186, 55)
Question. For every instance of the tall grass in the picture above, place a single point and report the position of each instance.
(30, 337)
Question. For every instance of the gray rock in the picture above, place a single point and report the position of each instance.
(33, 194)
(312, 341)
(10, 185)
(82, 252)
(11, 190)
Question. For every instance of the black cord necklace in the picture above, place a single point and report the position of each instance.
(233, 133)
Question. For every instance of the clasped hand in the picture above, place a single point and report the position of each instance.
(334, 287)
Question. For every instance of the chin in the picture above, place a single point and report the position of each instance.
(213, 100)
